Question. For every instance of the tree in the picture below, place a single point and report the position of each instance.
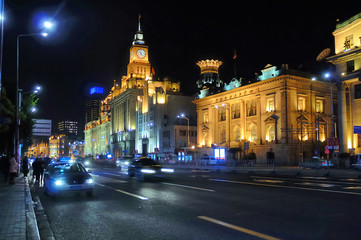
(7, 114)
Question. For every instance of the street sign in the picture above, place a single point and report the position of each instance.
(357, 129)
(246, 146)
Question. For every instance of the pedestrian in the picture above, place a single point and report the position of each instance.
(25, 166)
(36, 169)
(13, 169)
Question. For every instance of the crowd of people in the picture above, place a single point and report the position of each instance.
(9, 166)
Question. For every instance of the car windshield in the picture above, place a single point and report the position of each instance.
(67, 168)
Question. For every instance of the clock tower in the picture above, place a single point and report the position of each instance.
(139, 65)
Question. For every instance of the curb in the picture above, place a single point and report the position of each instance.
(32, 231)
(42, 219)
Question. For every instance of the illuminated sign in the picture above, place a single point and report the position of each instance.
(220, 153)
(99, 90)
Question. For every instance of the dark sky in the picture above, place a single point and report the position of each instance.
(91, 41)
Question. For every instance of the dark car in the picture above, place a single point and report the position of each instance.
(147, 168)
(65, 177)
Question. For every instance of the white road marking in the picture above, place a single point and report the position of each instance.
(289, 187)
(317, 184)
(124, 192)
(187, 186)
(112, 174)
(240, 229)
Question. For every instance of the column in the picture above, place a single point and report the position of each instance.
(342, 118)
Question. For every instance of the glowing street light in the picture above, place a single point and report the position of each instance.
(183, 116)
(48, 24)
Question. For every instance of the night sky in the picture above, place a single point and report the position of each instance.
(90, 43)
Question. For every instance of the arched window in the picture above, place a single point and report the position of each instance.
(253, 132)
(271, 133)
(236, 134)
(222, 136)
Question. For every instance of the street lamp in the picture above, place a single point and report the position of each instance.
(47, 25)
(183, 116)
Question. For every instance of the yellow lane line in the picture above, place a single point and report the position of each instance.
(240, 229)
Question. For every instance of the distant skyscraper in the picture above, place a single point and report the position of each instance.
(92, 110)
(69, 128)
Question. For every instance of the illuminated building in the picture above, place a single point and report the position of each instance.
(40, 138)
(281, 109)
(347, 59)
(137, 109)
(69, 128)
(59, 146)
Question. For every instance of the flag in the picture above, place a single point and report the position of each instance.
(234, 54)
(153, 71)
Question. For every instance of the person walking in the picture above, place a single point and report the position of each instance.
(25, 166)
(36, 169)
(13, 170)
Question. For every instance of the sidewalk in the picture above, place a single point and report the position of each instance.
(17, 217)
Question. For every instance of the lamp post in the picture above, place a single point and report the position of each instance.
(17, 123)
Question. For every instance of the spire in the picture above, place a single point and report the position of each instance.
(139, 16)
(138, 37)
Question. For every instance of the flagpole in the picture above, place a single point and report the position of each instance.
(234, 63)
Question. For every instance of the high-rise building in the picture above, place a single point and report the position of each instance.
(68, 128)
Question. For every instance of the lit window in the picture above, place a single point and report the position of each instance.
(236, 111)
(251, 108)
(205, 117)
(319, 106)
(270, 104)
(301, 104)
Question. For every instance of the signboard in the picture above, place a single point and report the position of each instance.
(94, 90)
(246, 146)
(332, 141)
(357, 129)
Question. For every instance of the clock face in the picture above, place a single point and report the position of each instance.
(141, 53)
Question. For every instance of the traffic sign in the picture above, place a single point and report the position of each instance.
(357, 129)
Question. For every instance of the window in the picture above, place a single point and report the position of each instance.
(270, 104)
(221, 114)
(348, 44)
(350, 66)
(237, 134)
(251, 108)
(319, 106)
(183, 133)
(358, 91)
(223, 136)
(270, 134)
(301, 104)
(235, 111)
(205, 117)
(253, 130)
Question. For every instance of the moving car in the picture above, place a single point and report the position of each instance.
(66, 177)
(124, 162)
(146, 168)
(208, 160)
(317, 163)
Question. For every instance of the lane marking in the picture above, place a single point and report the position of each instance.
(187, 186)
(112, 174)
(240, 229)
(289, 187)
(317, 184)
(268, 181)
(124, 192)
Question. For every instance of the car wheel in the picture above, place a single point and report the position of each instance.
(89, 193)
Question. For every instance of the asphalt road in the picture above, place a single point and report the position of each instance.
(208, 205)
